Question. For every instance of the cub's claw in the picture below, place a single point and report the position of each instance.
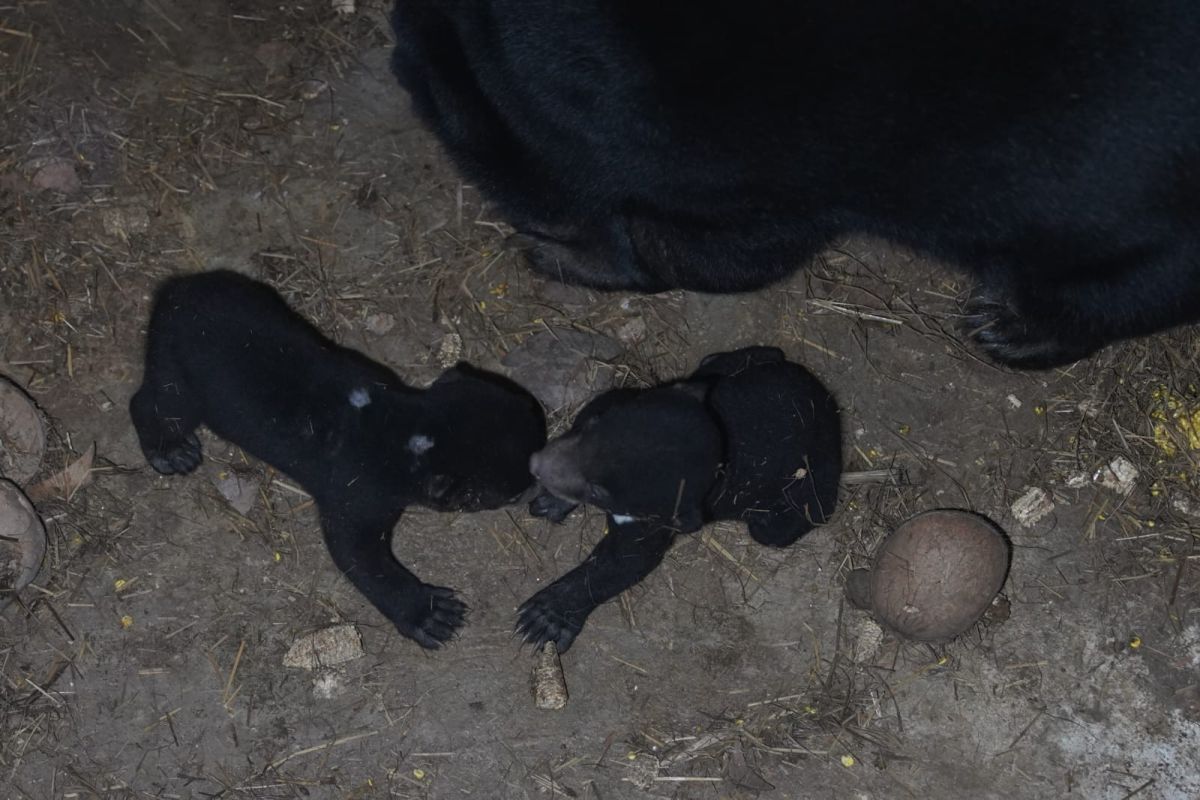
(552, 508)
(541, 619)
(436, 618)
(178, 459)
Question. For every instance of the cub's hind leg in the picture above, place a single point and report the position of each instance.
(802, 504)
(777, 528)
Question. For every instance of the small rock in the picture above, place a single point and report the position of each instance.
(326, 647)
(999, 611)
(379, 324)
(642, 772)
(240, 491)
(58, 175)
(1185, 505)
(1014, 402)
(1032, 506)
(450, 350)
(1077, 480)
(1119, 475)
(187, 227)
(865, 638)
(632, 331)
(327, 686)
(125, 221)
(343, 6)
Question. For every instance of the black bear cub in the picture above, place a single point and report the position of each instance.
(749, 436)
(227, 352)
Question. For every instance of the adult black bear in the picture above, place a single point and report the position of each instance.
(749, 436)
(1053, 149)
(226, 352)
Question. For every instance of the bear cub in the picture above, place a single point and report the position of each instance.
(227, 352)
(749, 436)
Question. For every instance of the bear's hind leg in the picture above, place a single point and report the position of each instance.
(1038, 324)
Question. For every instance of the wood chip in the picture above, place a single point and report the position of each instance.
(1032, 506)
(324, 648)
(549, 684)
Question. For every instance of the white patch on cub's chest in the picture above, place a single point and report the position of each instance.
(622, 519)
(360, 398)
(420, 444)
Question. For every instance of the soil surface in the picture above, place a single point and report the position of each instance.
(150, 137)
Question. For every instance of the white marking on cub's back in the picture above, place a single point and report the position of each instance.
(360, 398)
(420, 444)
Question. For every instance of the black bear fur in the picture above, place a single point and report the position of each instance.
(226, 352)
(749, 436)
(1051, 149)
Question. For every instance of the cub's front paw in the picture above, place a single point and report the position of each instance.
(1009, 337)
(552, 508)
(176, 458)
(434, 617)
(546, 617)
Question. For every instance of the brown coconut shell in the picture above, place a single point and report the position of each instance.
(22, 434)
(934, 577)
(22, 540)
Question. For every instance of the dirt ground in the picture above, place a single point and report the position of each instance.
(149, 137)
